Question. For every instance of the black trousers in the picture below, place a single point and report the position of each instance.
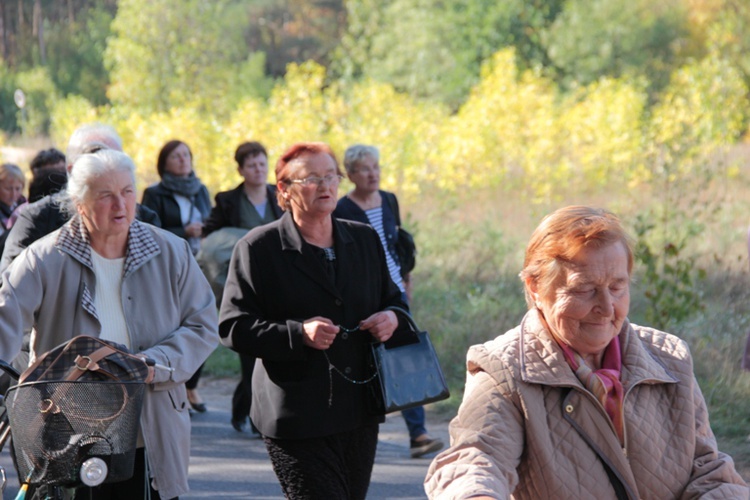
(192, 382)
(243, 393)
(336, 467)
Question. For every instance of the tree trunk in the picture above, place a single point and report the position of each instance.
(71, 13)
(38, 30)
(3, 34)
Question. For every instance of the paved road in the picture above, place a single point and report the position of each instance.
(225, 464)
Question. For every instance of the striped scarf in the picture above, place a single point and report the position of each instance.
(603, 383)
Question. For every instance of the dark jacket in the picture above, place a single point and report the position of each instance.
(226, 212)
(347, 209)
(275, 282)
(162, 201)
(44, 216)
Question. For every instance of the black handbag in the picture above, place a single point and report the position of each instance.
(406, 250)
(409, 374)
(405, 247)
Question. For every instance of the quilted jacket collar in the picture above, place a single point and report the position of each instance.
(73, 239)
(542, 361)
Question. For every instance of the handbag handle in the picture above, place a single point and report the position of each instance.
(406, 315)
(411, 337)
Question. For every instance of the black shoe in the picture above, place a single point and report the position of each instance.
(239, 425)
(199, 407)
(424, 446)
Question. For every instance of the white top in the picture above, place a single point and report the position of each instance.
(188, 215)
(108, 299)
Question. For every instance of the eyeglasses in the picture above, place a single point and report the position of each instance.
(330, 179)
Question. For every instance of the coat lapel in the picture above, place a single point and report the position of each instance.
(234, 206)
(304, 259)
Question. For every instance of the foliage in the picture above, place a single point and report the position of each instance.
(424, 66)
(603, 128)
(722, 25)
(591, 39)
(302, 108)
(41, 95)
(69, 113)
(75, 53)
(144, 135)
(505, 131)
(8, 120)
(405, 131)
(670, 273)
(293, 31)
(704, 109)
(171, 53)
(441, 59)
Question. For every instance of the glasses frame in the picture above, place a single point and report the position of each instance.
(316, 180)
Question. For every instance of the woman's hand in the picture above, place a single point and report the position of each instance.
(194, 230)
(150, 375)
(381, 325)
(319, 333)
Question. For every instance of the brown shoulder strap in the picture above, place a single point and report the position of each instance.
(88, 363)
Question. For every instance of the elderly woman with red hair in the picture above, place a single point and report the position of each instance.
(577, 402)
(306, 295)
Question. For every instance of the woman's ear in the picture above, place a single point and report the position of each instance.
(533, 288)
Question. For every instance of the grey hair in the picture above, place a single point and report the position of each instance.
(88, 168)
(354, 154)
(11, 171)
(86, 137)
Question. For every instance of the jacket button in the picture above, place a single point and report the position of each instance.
(348, 370)
(338, 302)
(568, 408)
(344, 335)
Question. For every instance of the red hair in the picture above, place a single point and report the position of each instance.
(284, 171)
(561, 235)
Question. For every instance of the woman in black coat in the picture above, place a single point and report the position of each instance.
(249, 205)
(182, 203)
(306, 295)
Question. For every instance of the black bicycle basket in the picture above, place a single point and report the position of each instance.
(56, 425)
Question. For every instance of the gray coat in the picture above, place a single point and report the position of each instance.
(170, 313)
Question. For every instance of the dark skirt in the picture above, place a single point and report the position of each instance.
(335, 467)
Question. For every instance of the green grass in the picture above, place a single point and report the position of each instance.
(223, 362)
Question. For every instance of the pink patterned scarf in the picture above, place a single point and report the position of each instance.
(603, 383)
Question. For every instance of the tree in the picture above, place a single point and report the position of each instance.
(434, 49)
(76, 50)
(726, 26)
(595, 38)
(171, 53)
(294, 31)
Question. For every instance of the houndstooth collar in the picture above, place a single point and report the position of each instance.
(73, 239)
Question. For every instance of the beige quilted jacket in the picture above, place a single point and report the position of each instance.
(527, 429)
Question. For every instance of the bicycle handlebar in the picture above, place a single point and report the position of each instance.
(10, 370)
